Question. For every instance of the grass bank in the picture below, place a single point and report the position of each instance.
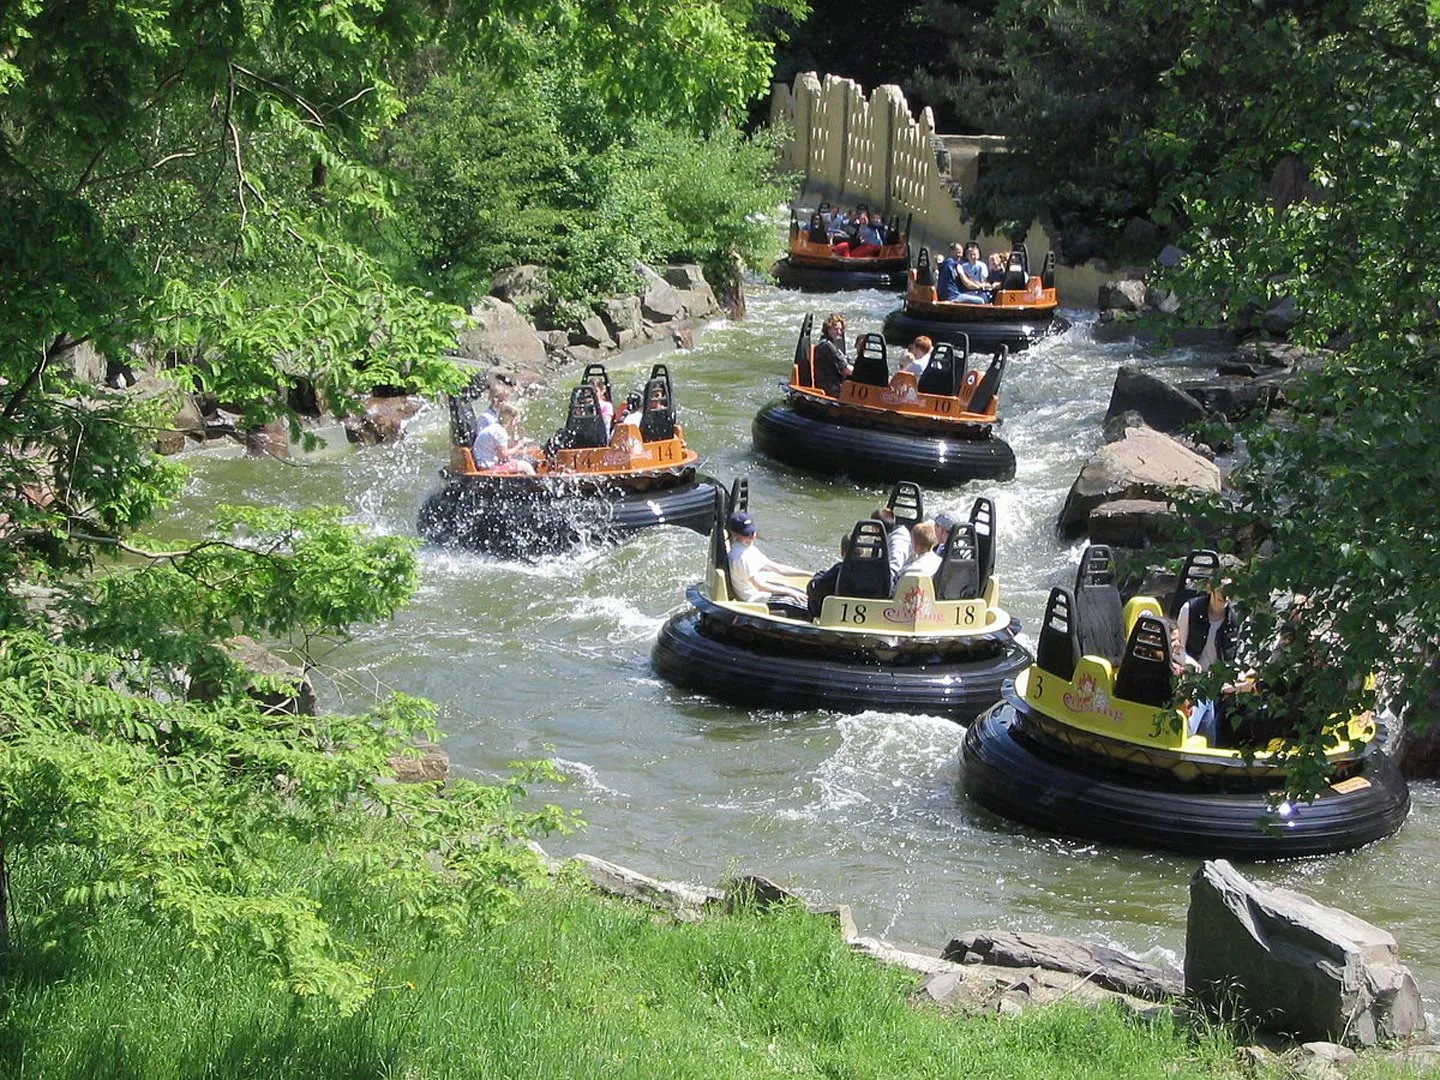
(575, 986)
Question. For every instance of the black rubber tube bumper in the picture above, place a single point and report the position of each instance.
(1012, 776)
(755, 675)
(825, 447)
(528, 519)
(901, 329)
(815, 279)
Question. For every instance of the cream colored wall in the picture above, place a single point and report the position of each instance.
(853, 148)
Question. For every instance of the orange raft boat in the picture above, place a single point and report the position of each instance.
(1023, 309)
(813, 266)
(938, 429)
(590, 483)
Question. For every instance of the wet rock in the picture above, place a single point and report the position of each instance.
(268, 440)
(1146, 464)
(1162, 300)
(1294, 965)
(503, 337)
(1164, 407)
(1115, 427)
(382, 421)
(1107, 968)
(1234, 396)
(683, 335)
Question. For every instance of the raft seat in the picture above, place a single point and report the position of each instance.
(872, 366)
(1099, 614)
(865, 572)
(1058, 651)
(1144, 673)
(959, 575)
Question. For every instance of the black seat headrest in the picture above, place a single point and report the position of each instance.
(1144, 674)
(1057, 651)
(907, 503)
(872, 367)
(959, 575)
(1099, 613)
(865, 571)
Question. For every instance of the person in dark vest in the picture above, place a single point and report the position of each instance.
(1205, 631)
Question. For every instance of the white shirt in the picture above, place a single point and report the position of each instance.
(745, 562)
(491, 441)
(926, 564)
(917, 365)
(900, 549)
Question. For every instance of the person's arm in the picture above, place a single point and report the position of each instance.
(970, 284)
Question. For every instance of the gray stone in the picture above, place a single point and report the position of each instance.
(699, 303)
(627, 339)
(1294, 965)
(1329, 1051)
(760, 893)
(686, 276)
(1107, 968)
(555, 340)
(685, 902)
(1115, 427)
(268, 440)
(585, 354)
(297, 695)
(1127, 295)
(1164, 407)
(592, 331)
(659, 300)
(1233, 396)
(1146, 464)
(504, 338)
(519, 285)
(186, 421)
(83, 363)
(1420, 1059)
(1281, 318)
(621, 314)
(842, 916)
(424, 762)
(1170, 257)
(1163, 301)
(1132, 523)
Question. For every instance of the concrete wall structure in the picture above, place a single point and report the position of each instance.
(851, 148)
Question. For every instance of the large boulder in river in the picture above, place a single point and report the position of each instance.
(1145, 464)
(503, 338)
(1163, 406)
(1124, 295)
(660, 301)
(1293, 964)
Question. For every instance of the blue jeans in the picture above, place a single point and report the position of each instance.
(1202, 720)
(973, 298)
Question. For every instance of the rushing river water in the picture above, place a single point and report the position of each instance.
(551, 660)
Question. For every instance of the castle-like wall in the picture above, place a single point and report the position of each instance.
(853, 149)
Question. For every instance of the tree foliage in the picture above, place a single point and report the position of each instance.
(199, 187)
(1337, 100)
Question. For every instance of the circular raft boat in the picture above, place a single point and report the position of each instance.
(938, 645)
(1088, 743)
(811, 265)
(591, 484)
(938, 430)
(1023, 309)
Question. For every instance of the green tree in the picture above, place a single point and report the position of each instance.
(195, 183)
(1303, 139)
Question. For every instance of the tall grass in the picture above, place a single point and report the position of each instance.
(574, 986)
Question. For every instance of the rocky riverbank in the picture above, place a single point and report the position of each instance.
(500, 343)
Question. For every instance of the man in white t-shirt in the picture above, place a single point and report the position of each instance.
(925, 560)
(755, 578)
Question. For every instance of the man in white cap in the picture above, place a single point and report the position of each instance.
(755, 578)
